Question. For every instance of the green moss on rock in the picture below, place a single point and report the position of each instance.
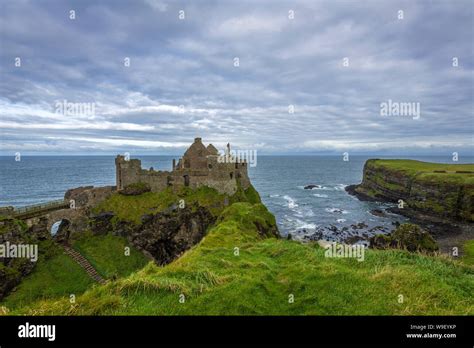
(408, 236)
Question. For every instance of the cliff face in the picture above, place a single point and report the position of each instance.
(155, 223)
(438, 190)
(162, 236)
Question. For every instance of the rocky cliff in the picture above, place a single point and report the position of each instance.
(166, 224)
(437, 191)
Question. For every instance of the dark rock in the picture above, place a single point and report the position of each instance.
(165, 236)
(381, 229)
(407, 236)
(101, 224)
(359, 226)
(380, 241)
(311, 186)
(353, 239)
(135, 189)
(378, 212)
(413, 238)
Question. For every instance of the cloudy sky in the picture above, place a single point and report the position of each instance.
(332, 62)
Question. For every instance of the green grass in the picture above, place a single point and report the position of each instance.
(55, 275)
(131, 208)
(425, 171)
(468, 249)
(107, 255)
(266, 271)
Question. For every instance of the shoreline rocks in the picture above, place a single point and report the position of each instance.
(407, 236)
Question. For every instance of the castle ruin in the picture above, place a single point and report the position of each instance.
(199, 166)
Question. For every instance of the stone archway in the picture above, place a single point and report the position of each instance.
(75, 219)
(62, 231)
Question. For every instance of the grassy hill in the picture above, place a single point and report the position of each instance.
(55, 275)
(58, 276)
(239, 270)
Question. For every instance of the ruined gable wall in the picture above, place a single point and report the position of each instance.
(220, 176)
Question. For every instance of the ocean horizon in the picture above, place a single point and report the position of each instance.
(325, 212)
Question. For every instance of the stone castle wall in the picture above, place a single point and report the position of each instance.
(223, 177)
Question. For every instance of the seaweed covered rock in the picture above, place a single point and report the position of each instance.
(413, 238)
(407, 236)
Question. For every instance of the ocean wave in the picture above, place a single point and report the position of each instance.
(340, 187)
(295, 224)
(306, 212)
(320, 195)
(291, 202)
(323, 188)
(336, 210)
(300, 225)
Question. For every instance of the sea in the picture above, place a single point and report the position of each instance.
(325, 212)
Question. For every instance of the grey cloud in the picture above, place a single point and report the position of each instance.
(190, 63)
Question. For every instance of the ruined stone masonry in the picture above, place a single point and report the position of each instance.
(199, 166)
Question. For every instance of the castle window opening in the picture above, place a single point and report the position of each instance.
(231, 175)
(186, 180)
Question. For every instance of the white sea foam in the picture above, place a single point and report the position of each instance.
(340, 187)
(291, 202)
(295, 224)
(300, 224)
(320, 195)
(305, 212)
(336, 210)
(324, 188)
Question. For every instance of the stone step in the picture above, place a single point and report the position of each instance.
(84, 263)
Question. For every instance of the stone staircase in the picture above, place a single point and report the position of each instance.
(82, 261)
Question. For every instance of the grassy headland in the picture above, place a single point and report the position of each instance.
(443, 191)
(238, 270)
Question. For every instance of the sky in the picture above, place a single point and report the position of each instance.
(295, 77)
